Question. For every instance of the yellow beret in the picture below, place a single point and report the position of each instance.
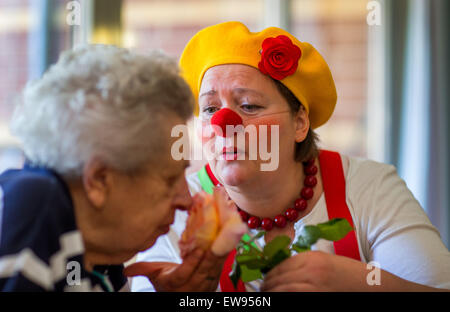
(232, 43)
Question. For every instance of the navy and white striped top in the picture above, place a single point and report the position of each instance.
(41, 248)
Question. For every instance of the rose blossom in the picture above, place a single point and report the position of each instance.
(214, 223)
(279, 57)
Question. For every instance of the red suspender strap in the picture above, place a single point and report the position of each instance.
(225, 282)
(333, 181)
(211, 175)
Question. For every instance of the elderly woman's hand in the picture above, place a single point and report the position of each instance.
(200, 271)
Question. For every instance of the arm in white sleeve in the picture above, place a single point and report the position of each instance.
(398, 234)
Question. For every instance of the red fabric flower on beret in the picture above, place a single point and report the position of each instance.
(279, 57)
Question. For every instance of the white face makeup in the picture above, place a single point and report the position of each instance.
(267, 124)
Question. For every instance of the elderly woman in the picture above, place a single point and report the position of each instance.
(271, 78)
(99, 184)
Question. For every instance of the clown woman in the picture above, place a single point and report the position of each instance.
(271, 78)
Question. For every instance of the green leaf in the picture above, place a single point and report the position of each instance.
(301, 243)
(308, 236)
(275, 245)
(251, 262)
(248, 275)
(334, 229)
(300, 249)
(257, 264)
(247, 257)
(276, 259)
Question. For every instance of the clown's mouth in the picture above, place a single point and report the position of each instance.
(230, 153)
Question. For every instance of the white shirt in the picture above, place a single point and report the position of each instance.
(391, 227)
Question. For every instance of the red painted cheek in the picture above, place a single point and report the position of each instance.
(268, 122)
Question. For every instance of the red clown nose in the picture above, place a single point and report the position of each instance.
(225, 117)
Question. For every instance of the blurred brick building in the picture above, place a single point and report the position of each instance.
(337, 28)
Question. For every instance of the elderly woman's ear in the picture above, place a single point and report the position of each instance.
(97, 179)
(301, 124)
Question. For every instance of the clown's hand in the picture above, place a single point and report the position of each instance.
(213, 229)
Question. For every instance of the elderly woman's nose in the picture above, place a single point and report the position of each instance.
(183, 199)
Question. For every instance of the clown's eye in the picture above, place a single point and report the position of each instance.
(210, 110)
(250, 108)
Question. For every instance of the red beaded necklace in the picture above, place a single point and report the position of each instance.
(291, 214)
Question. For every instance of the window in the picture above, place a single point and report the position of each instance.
(338, 30)
(15, 21)
(32, 34)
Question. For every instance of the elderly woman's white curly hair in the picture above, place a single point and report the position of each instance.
(100, 101)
